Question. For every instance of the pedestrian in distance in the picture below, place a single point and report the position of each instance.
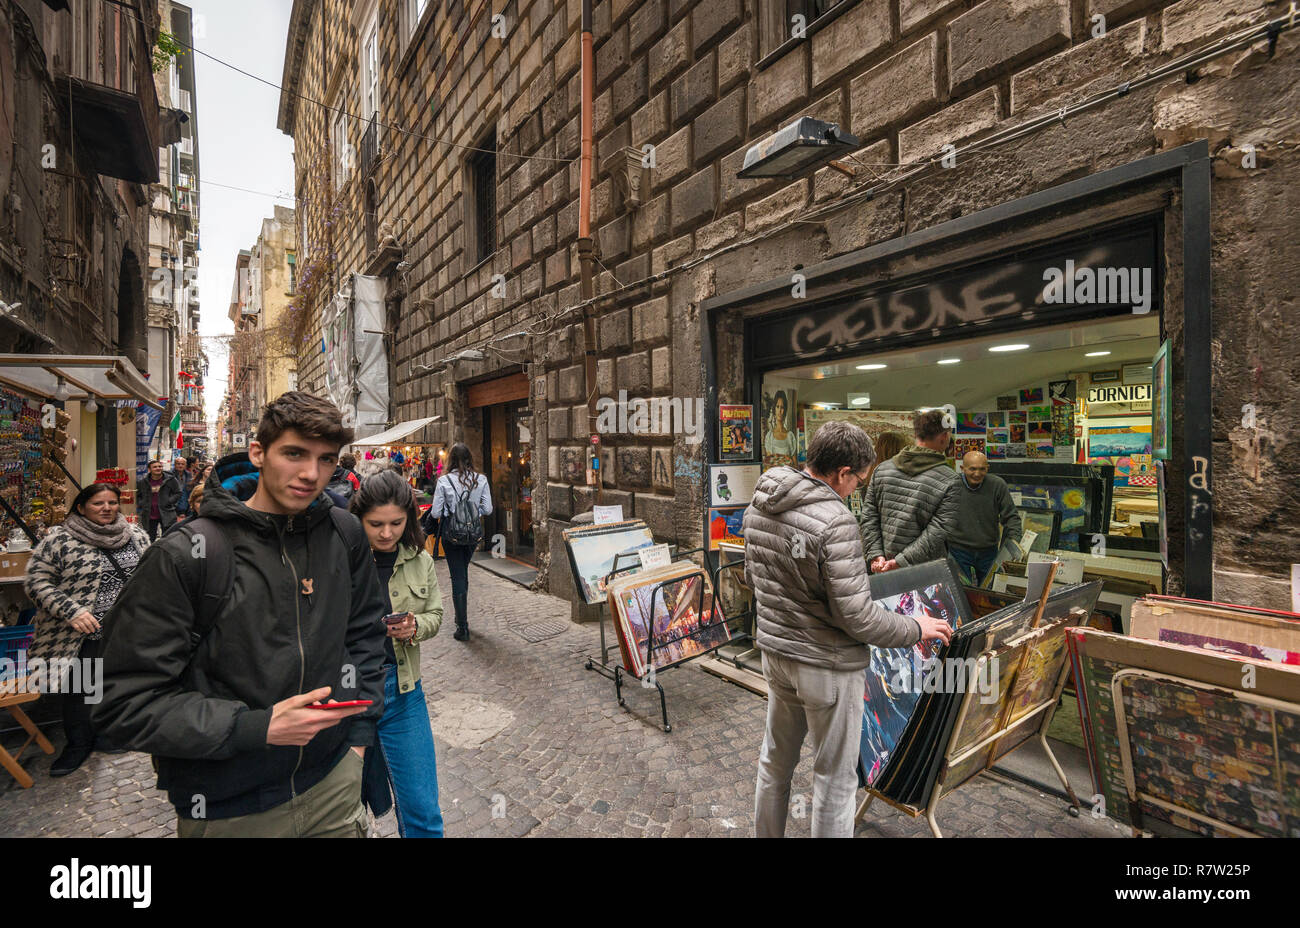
(74, 576)
(385, 504)
(460, 500)
(815, 623)
(157, 496)
(222, 650)
(911, 502)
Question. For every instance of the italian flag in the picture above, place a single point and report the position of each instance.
(175, 426)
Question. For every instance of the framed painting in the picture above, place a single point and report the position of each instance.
(592, 549)
(1161, 388)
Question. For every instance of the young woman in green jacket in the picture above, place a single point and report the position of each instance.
(385, 505)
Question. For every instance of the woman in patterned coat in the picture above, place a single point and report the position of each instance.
(74, 576)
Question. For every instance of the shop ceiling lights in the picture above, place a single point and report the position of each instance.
(872, 367)
(949, 360)
(1096, 354)
(61, 391)
(797, 149)
(1008, 348)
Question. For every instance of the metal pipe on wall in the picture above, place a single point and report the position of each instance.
(586, 256)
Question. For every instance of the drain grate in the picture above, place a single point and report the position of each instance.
(540, 631)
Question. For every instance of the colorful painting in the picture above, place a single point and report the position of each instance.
(1017, 417)
(998, 436)
(1017, 431)
(1062, 394)
(963, 446)
(1119, 441)
(780, 439)
(971, 423)
(726, 524)
(1136, 471)
(1028, 397)
(1040, 413)
(735, 433)
(685, 621)
(894, 678)
(995, 452)
(1074, 503)
(591, 550)
(1040, 430)
(996, 419)
(875, 422)
(1008, 402)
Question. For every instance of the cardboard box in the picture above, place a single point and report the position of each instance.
(13, 565)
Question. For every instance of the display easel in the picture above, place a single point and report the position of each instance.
(617, 671)
(1044, 710)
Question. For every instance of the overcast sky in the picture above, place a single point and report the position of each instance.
(239, 146)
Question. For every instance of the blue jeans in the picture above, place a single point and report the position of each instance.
(974, 564)
(407, 741)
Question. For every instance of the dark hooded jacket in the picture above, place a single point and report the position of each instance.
(204, 715)
(909, 508)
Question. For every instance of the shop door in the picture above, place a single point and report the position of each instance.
(508, 445)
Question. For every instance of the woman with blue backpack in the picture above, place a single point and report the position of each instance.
(460, 500)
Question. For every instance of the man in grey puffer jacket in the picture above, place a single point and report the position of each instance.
(803, 560)
(911, 503)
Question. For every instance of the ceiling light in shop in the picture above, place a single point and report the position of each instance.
(872, 367)
(1096, 354)
(949, 361)
(1008, 348)
(859, 400)
(827, 405)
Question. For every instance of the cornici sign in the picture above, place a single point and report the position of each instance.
(1020, 286)
(1132, 394)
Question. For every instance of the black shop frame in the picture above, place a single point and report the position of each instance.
(1189, 167)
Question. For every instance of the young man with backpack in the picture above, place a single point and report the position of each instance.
(235, 628)
(460, 500)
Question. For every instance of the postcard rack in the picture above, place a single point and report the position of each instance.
(617, 671)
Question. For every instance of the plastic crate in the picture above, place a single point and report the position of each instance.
(15, 641)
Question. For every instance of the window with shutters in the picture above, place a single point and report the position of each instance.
(481, 168)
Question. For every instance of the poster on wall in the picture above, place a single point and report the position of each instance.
(725, 524)
(963, 446)
(875, 422)
(146, 424)
(1008, 402)
(732, 484)
(971, 423)
(780, 443)
(735, 433)
(1161, 381)
(1116, 441)
(1063, 394)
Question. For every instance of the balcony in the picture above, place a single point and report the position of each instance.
(118, 130)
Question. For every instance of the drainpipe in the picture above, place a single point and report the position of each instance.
(586, 257)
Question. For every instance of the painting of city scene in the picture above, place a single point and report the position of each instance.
(686, 620)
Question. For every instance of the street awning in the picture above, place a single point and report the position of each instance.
(103, 377)
(396, 433)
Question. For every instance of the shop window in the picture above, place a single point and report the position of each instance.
(481, 169)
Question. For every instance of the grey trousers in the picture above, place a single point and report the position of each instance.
(804, 699)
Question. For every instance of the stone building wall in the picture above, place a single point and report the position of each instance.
(907, 77)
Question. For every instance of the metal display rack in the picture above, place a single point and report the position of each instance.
(616, 672)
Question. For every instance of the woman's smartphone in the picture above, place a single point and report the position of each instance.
(394, 618)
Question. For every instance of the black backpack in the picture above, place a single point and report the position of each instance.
(463, 526)
(218, 570)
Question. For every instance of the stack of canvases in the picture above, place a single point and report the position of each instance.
(1193, 723)
(665, 616)
(939, 714)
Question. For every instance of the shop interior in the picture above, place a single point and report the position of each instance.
(1063, 413)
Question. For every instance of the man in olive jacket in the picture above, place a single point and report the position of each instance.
(231, 715)
(803, 560)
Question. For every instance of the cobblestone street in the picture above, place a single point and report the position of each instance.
(522, 728)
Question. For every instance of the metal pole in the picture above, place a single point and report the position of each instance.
(586, 254)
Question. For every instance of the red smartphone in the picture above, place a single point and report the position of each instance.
(342, 705)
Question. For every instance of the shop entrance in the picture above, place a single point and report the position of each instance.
(507, 451)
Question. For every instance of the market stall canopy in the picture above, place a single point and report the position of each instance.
(104, 377)
(397, 432)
